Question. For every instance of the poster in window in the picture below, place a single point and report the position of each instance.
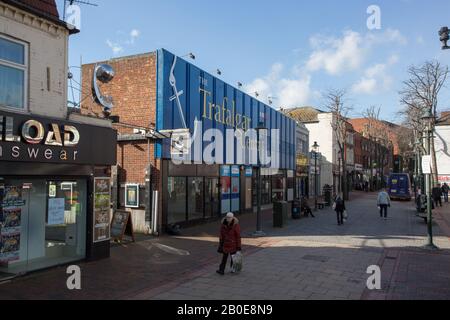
(56, 212)
(102, 209)
(10, 223)
(132, 196)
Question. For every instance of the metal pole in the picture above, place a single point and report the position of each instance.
(430, 244)
(258, 214)
(315, 182)
(259, 232)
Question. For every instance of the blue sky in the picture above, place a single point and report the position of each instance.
(290, 49)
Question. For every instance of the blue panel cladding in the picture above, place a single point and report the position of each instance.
(195, 99)
(202, 96)
(239, 105)
(219, 94)
(229, 102)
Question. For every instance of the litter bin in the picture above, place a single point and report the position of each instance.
(280, 210)
(296, 209)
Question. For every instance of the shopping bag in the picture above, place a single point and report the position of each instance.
(237, 261)
(345, 215)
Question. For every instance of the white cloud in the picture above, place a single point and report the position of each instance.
(289, 91)
(119, 46)
(134, 34)
(376, 78)
(115, 47)
(348, 53)
(336, 55)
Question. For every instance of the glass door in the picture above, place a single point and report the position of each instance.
(212, 200)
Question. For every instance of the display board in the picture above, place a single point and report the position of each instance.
(102, 209)
(11, 203)
(121, 225)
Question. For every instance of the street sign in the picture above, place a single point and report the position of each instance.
(426, 164)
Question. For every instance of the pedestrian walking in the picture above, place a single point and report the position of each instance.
(437, 195)
(306, 209)
(230, 240)
(339, 207)
(383, 202)
(445, 190)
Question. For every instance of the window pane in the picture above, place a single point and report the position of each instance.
(177, 199)
(12, 51)
(11, 87)
(195, 198)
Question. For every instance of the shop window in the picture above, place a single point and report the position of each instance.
(278, 188)
(176, 189)
(44, 224)
(13, 73)
(195, 198)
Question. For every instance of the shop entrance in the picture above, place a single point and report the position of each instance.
(42, 224)
(212, 200)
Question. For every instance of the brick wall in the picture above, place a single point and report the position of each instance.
(134, 92)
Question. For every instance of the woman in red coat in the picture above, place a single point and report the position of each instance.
(230, 240)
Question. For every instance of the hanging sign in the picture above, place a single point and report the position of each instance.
(426, 164)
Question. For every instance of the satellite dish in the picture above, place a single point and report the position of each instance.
(103, 73)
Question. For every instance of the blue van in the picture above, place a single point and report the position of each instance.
(400, 186)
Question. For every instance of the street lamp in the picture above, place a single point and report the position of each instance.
(444, 34)
(259, 232)
(315, 152)
(428, 119)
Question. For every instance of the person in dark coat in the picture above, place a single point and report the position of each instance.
(230, 240)
(445, 189)
(437, 196)
(339, 207)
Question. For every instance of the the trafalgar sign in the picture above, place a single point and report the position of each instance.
(210, 126)
(34, 139)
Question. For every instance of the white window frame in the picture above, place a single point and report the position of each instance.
(24, 68)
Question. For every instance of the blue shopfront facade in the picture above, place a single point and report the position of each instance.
(193, 102)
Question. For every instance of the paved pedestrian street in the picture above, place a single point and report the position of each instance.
(310, 258)
(316, 259)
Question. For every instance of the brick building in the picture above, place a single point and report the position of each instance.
(158, 94)
(53, 161)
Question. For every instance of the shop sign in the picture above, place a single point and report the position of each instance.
(302, 160)
(225, 171)
(37, 139)
(235, 172)
(248, 171)
(102, 209)
(358, 167)
(444, 179)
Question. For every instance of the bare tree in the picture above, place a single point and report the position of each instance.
(420, 94)
(335, 102)
(377, 134)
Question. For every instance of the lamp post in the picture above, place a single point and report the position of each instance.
(428, 119)
(315, 152)
(259, 232)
